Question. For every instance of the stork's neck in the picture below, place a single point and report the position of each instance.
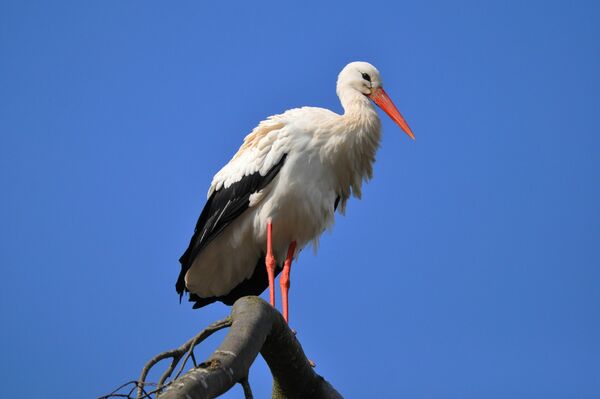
(360, 117)
(361, 136)
(356, 105)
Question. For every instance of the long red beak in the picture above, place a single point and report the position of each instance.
(380, 97)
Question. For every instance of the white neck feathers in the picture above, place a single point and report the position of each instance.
(355, 143)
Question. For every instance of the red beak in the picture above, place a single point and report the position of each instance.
(380, 97)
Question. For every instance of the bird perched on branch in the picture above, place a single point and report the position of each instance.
(280, 191)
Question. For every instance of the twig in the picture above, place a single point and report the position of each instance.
(114, 393)
(136, 384)
(190, 352)
(176, 355)
(246, 386)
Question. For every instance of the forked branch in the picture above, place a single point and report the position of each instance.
(176, 354)
(256, 327)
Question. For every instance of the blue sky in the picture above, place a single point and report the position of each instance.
(469, 269)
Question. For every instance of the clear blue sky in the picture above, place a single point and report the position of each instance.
(470, 268)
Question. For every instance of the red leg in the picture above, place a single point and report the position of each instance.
(270, 263)
(284, 280)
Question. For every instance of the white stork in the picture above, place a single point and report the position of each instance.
(280, 192)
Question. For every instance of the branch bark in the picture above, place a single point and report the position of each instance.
(256, 327)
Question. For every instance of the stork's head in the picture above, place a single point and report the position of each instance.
(364, 79)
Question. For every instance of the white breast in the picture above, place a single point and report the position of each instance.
(300, 202)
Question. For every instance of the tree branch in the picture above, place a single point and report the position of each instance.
(255, 327)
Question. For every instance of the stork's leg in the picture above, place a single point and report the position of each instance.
(270, 263)
(284, 280)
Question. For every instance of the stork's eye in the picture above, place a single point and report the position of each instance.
(366, 77)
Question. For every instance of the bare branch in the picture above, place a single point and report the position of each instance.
(115, 392)
(247, 390)
(176, 355)
(256, 327)
(134, 385)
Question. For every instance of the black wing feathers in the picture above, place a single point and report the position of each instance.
(220, 210)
